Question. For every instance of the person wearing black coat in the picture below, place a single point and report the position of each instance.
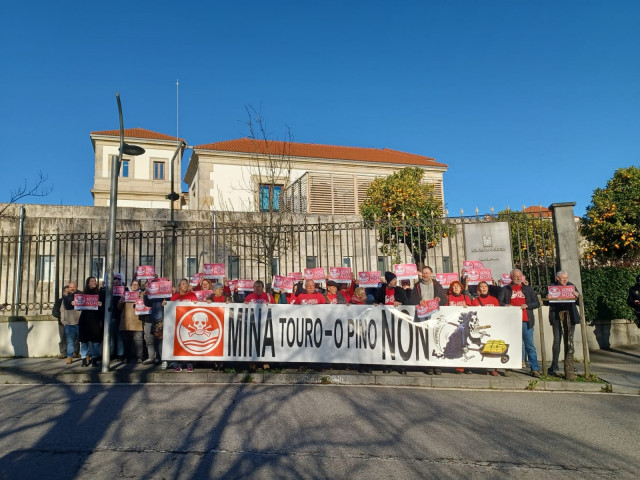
(91, 326)
(390, 293)
(560, 330)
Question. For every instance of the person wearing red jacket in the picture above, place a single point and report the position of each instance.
(455, 297)
(183, 294)
(484, 299)
(310, 297)
(259, 295)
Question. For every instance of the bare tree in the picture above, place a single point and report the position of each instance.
(263, 224)
(38, 188)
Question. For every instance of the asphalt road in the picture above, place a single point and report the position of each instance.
(322, 431)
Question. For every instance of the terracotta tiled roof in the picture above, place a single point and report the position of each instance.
(538, 211)
(312, 150)
(136, 133)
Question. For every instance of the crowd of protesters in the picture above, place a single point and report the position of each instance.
(137, 338)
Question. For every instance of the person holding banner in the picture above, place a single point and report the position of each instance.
(91, 325)
(563, 317)
(484, 298)
(359, 297)
(310, 296)
(116, 342)
(427, 288)
(184, 294)
(333, 295)
(456, 297)
(153, 336)
(522, 296)
(259, 295)
(390, 293)
(131, 327)
(70, 318)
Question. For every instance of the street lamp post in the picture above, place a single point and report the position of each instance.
(132, 150)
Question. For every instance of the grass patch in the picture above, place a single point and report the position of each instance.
(248, 379)
(532, 385)
(229, 370)
(325, 380)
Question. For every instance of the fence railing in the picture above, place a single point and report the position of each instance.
(49, 261)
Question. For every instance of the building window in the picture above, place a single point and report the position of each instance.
(446, 264)
(158, 170)
(275, 266)
(346, 262)
(46, 268)
(146, 260)
(97, 267)
(124, 169)
(270, 197)
(234, 266)
(192, 266)
(382, 264)
(311, 262)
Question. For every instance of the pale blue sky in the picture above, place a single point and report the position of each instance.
(528, 102)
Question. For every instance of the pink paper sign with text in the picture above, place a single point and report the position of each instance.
(159, 289)
(145, 272)
(283, 284)
(445, 279)
(340, 274)
(315, 274)
(213, 270)
(369, 279)
(405, 271)
(85, 302)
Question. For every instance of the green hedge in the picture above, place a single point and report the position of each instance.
(605, 292)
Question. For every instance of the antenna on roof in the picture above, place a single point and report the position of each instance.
(177, 108)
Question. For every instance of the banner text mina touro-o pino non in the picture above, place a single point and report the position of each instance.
(472, 337)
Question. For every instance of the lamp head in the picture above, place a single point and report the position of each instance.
(133, 150)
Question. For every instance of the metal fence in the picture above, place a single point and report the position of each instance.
(34, 268)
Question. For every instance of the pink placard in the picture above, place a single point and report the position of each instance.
(445, 279)
(145, 272)
(159, 289)
(297, 276)
(340, 274)
(561, 293)
(369, 279)
(140, 308)
(85, 302)
(245, 285)
(315, 274)
(471, 265)
(283, 284)
(119, 290)
(430, 307)
(405, 271)
(213, 270)
(131, 297)
(195, 280)
(202, 295)
(478, 275)
(232, 284)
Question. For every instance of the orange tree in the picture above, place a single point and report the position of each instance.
(612, 221)
(405, 211)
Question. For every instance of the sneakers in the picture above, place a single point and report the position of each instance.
(437, 371)
(189, 367)
(493, 372)
(147, 361)
(164, 365)
(177, 368)
(75, 355)
(429, 371)
(534, 373)
(68, 362)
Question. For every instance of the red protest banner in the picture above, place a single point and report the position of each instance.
(445, 279)
(340, 274)
(159, 290)
(283, 284)
(561, 293)
(405, 271)
(145, 272)
(369, 279)
(85, 302)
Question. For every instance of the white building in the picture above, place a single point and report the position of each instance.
(145, 180)
(245, 174)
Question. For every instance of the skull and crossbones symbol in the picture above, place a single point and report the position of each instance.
(200, 325)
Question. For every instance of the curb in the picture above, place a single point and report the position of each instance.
(308, 378)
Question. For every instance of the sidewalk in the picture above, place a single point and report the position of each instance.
(619, 367)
